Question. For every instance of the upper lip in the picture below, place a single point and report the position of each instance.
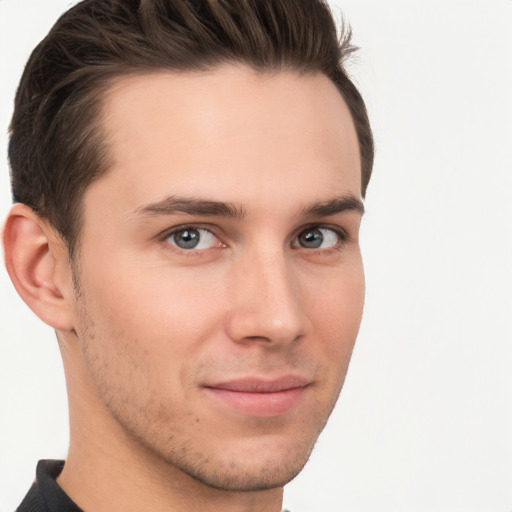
(261, 385)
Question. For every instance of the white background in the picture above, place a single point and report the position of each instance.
(425, 420)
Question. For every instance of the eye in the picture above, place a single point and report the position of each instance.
(191, 238)
(318, 238)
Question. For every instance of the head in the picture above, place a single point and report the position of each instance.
(194, 172)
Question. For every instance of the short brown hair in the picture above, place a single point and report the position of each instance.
(57, 148)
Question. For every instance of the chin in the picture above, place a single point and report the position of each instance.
(266, 464)
(246, 476)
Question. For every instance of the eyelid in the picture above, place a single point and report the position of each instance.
(342, 232)
(166, 233)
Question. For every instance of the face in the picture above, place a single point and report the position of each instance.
(220, 277)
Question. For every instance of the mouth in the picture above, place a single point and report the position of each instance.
(260, 397)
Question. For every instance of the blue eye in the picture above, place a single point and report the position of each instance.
(318, 238)
(190, 238)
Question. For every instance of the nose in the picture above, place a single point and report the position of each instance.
(266, 302)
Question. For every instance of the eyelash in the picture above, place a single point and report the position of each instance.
(341, 233)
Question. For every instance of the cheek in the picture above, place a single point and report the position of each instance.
(156, 311)
(335, 315)
(337, 305)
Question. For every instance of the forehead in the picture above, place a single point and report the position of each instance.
(230, 132)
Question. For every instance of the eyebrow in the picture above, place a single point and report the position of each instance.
(196, 206)
(191, 206)
(334, 206)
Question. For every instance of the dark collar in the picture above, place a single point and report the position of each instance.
(46, 495)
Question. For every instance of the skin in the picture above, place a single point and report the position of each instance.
(147, 328)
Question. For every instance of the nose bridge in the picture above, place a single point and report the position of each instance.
(266, 303)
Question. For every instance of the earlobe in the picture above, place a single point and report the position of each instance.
(35, 259)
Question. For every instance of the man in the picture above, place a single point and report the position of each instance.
(188, 180)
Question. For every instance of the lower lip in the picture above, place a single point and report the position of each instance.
(263, 405)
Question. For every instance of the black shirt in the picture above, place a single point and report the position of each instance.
(46, 495)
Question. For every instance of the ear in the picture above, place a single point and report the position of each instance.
(38, 264)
